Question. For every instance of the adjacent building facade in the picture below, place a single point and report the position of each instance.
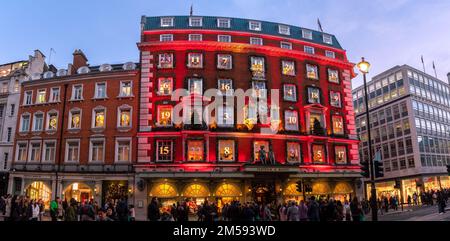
(410, 126)
(75, 135)
(12, 75)
(220, 160)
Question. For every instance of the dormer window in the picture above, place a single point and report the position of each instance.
(166, 22)
(255, 26)
(223, 23)
(307, 34)
(283, 29)
(195, 22)
(328, 39)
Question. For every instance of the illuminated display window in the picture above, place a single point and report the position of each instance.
(290, 92)
(312, 72)
(318, 152)
(124, 117)
(335, 99)
(338, 125)
(340, 153)
(288, 67)
(99, 118)
(316, 121)
(195, 150)
(165, 115)
(52, 121)
(225, 87)
(125, 88)
(195, 86)
(224, 61)
(164, 151)
(195, 60)
(291, 120)
(257, 66)
(75, 119)
(333, 76)
(259, 89)
(260, 145)
(165, 61)
(226, 150)
(225, 117)
(293, 152)
(165, 86)
(313, 95)
(41, 96)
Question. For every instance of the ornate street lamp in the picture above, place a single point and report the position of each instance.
(364, 68)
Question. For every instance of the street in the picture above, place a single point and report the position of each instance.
(425, 213)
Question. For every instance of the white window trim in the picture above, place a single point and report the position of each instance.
(45, 96)
(90, 150)
(16, 158)
(159, 60)
(330, 54)
(221, 110)
(195, 18)
(165, 35)
(44, 151)
(171, 86)
(96, 90)
(34, 121)
(171, 151)
(66, 155)
(252, 39)
(223, 35)
(284, 26)
(297, 128)
(47, 122)
(201, 61)
(30, 150)
(224, 19)
(25, 97)
(166, 18)
(131, 86)
(93, 117)
(70, 118)
(234, 150)
(327, 36)
(305, 36)
(52, 93)
(285, 88)
(193, 79)
(72, 98)
(309, 47)
(157, 118)
(195, 34)
(21, 122)
(230, 92)
(286, 43)
(119, 111)
(255, 22)
(231, 61)
(116, 155)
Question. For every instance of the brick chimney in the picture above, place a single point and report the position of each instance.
(79, 60)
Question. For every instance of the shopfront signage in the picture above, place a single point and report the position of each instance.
(271, 169)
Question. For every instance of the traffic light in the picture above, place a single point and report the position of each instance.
(448, 169)
(365, 170)
(308, 188)
(379, 170)
(299, 186)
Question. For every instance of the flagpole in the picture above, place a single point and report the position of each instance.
(434, 67)
(423, 64)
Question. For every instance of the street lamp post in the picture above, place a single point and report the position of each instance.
(364, 67)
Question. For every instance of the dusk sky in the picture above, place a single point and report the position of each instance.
(386, 32)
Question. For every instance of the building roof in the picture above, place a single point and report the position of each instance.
(238, 24)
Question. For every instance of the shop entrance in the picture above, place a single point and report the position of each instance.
(196, 194)
(39, 191)
(227, 193)
(78, 191)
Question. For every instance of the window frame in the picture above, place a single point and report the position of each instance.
(189, 62)
(16, 158)
(117, 147)
(52, 94)
(329, 37)
(229, 92)
(256, 41)
(30, 151)
(295, 114)
(255, 26)
(120, 109)
(193, 19)
(91, 141)
(158, 91)
(165, 25)
(219, 142)
(166, 38)
(285, 43)
(224, 36)
(158, 146)
(28, 95)
(307, 34)
(34, 122)
(93, 121)
(228, 21)
(192, 39)
(38, 95)
(44, 151)
(345, 148)
(294, 94)
(96, 96)
(339, 104)
(287, 29)
(160, 66)
(72, 98)
(47, 123)
(122, 82)
(158, 112)
(230, 58)
(70, 127)
(21, 127)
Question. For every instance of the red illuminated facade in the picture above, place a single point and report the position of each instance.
(316, 139)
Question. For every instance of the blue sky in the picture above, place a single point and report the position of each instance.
(386, 32)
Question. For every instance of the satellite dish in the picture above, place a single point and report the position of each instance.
(35, 76)
(105, 67)
(83, 70)
(129, 66)
(48, 75)
(61, 72)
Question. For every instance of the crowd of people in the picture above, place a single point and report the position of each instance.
(22, 208)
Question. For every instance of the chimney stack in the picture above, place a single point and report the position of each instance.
(79, 60)
(448, 76)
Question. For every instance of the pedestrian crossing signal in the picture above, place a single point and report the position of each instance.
(299, 186)
(365, 171)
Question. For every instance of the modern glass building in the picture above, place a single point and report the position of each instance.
(410, 126)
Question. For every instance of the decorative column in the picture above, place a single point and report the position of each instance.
(145, 107)
(350, 116)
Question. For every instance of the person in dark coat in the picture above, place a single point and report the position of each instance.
(122, 210)
(153, 210)
(356, 210)
(313, 210)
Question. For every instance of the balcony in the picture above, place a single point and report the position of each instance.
(74, 168)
